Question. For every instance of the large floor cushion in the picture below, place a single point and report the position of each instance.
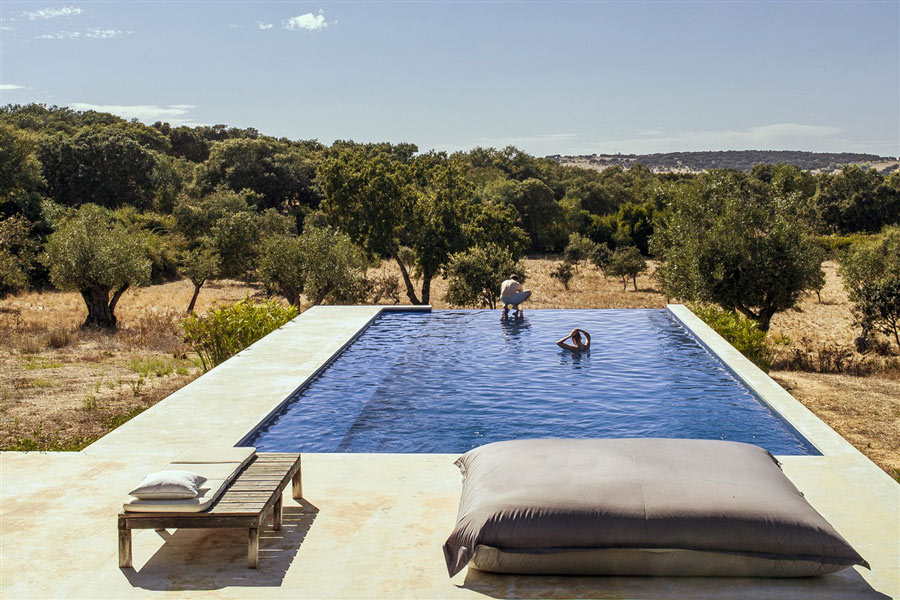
(638, 507)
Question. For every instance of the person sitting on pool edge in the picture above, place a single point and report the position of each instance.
(511, 292)
(577, 344)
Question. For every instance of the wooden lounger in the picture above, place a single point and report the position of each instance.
(246, 503)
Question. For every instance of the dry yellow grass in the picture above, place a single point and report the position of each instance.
(64, 396)
(82, 389)
(864, 410)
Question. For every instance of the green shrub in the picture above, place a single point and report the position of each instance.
(563, 273)
(226, 330)
(740, 332)
(835, 246)
(474, 276)
(152, 366)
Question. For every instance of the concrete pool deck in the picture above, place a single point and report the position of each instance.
(371, 525)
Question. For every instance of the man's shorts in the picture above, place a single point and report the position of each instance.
(516, 299)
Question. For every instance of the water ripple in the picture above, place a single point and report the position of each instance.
(448, 381)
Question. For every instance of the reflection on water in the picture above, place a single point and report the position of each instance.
(513, 322)
(574, 359)
(448, 381)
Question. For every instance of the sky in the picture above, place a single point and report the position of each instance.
(550, 78)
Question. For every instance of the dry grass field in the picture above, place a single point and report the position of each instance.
(61, 387)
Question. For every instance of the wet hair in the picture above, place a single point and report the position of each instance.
(514, 277)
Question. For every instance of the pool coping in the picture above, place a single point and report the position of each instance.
(818, 433)
(230, 401)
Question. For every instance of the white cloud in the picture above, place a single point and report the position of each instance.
(142, 112)
(5, 87)
(233, 26)
(94, 33)
(262, 25)
(52, 13)
(60, 35)
(5, 28)
(105, 34)
(308, 21)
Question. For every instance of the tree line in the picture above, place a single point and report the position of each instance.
(95, 203)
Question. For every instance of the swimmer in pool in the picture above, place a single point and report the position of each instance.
(578, 344)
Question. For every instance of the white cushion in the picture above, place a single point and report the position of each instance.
(171, 484)
(218, 466)
(208, 493)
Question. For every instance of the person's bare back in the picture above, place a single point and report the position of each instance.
(511, 292)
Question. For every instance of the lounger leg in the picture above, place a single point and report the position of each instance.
(276, 513)
(253, 548)
(124, 548)
(298, 484)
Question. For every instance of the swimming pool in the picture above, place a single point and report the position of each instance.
(448, 381)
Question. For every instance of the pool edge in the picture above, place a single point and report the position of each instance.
(825, 439)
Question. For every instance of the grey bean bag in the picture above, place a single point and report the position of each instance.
(664, 507)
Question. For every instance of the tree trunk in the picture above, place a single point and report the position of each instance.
(747, 312)
(634, 281)
(624, 284)
(320, 297)
(291, 294)
(765, 318)
(100, 308)
(410, 290)
(896, 334)
(197, 287)
(426, 289)
(115, 299)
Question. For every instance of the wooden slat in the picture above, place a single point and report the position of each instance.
(251, 495)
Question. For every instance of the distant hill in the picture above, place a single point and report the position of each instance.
(742, 160)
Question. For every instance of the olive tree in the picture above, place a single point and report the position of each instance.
(282, 266)
(321, 263)
(96, 256)
(626, 263)
(474, 276)
(734, 245)
(418, 212)
(200, 265)
(372, 199)
(579, 249)
(335, 267)
(872, 278)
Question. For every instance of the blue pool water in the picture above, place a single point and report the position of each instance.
(448, 381)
